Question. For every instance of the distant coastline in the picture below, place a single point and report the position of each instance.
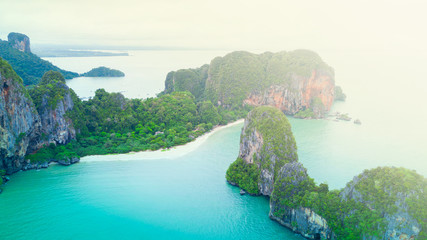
(76, 53)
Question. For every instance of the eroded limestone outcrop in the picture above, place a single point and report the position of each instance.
(291, 81)
(20, 125)
(19, 41)
(381, 203)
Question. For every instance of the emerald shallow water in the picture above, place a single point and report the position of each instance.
(180, 198)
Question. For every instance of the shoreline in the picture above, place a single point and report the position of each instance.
(174, 152)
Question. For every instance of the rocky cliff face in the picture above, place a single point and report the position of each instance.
(268, 156)
(20, 125)
(267, 141)
(53, 98)
(29, 122)
(56, 126)
(400, 223)
(19, 41)
(291, 180)
(291, 81)
(315, 92)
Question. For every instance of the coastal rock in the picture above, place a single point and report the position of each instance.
(394, 208)
(68, 161)
(291, 179)
(339, 94)
(268, 164)
(20, 125)
(315, 92)
(19, 41)
(53, 99)
(267, 141)
(22, 130)
(290, 81)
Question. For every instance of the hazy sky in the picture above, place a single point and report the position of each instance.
(223, 24)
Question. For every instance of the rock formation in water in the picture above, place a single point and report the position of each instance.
(267, 157)
(381, 203)
(339, 94)
(267, 141)
(19, 41)
(20, 125)
(293, 180)
(291, 81)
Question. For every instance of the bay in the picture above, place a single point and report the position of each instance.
(186, 196)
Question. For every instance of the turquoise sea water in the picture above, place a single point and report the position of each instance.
(186, 197)
(176, 198)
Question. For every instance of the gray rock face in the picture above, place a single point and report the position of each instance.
(20, 41)
(22, 129)
(68, 161)
(305, 222)
(57, 128)
(400, 225)
(300, 220)
(257, 144)
(20, 125)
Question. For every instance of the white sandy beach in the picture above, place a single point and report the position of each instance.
(174, 152)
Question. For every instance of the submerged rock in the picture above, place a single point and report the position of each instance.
(343, 117)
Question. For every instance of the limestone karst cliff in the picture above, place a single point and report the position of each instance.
(19, 41)
(291, 81)
(267, 141)
(16, 51)
(268, 164)
(381, 203)
(397, 195)
(20, 125)
(27, 125)
(53, 99)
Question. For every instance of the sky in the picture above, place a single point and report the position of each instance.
(221, 24)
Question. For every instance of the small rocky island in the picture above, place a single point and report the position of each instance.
(380, 203)
(103, 72)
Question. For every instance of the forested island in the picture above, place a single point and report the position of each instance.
(380, 203)
(297, 82)
(103, 72)
(31, 68)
